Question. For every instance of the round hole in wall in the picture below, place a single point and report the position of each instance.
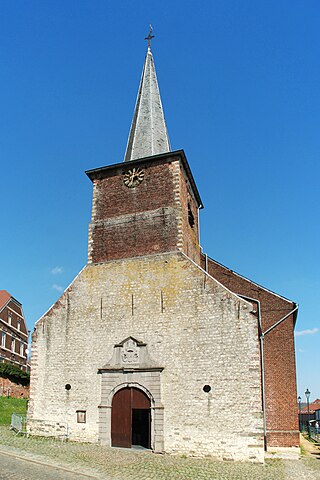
(206, 388)
(68, 386)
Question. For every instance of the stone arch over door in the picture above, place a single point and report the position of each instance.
(131, 368)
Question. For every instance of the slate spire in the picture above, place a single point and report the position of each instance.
(148, 134)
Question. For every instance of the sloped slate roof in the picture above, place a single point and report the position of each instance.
(148, 134)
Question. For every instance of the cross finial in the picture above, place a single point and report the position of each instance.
(149, 37)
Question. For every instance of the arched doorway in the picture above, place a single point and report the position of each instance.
(130, 418)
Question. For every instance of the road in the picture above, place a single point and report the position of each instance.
(17, 468)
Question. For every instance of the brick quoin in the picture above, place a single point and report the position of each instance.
(153, 218)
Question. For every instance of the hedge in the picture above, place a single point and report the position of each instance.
(7, 370)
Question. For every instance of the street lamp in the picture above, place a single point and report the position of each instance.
(307, 394)
(299, 401)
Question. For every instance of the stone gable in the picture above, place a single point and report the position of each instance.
(195, 331)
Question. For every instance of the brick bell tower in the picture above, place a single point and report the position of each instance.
(149, 203)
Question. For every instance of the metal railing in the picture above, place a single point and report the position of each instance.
(39, 428)
(18, 423)
(313, 432)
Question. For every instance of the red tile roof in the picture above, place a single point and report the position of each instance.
(312, 407)
(4, 297)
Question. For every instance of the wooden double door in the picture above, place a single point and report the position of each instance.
(130, 418)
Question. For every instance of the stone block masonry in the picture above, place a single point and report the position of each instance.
(280, 368)
(195, 329)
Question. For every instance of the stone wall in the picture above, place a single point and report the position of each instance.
(194, 328)
(280, 367)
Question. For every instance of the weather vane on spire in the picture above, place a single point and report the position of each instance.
(150, 36)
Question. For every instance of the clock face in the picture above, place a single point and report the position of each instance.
(133, 177)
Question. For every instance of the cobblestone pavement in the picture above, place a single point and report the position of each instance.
(302, 469)
(15, 468)
(114, 464)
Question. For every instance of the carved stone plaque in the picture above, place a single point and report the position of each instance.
(130, 352)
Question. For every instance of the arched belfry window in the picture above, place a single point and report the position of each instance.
(190, 216)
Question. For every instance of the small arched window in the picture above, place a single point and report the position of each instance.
(190, 216)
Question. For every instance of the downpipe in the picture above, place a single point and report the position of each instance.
(261, 341)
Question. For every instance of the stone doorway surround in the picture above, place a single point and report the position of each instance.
(131, 366)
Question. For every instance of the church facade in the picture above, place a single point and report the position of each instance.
(154, 343)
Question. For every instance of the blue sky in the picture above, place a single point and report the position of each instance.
(240, 88)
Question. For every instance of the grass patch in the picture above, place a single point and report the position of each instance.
(303, 450)
(10, 405)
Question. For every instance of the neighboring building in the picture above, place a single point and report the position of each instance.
(13, 331)
(317, 420)
(309, 415)
(154, 343)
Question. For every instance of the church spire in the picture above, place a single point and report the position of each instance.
(148, 134)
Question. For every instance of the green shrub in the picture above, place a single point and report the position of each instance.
(7, 370)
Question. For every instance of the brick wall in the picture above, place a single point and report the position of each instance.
(280, 368)
(189, 230)
(11, 389)
(133, 221)
(149, 218)
(14, 329)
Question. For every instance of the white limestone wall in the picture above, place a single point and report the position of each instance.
(193, 327)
